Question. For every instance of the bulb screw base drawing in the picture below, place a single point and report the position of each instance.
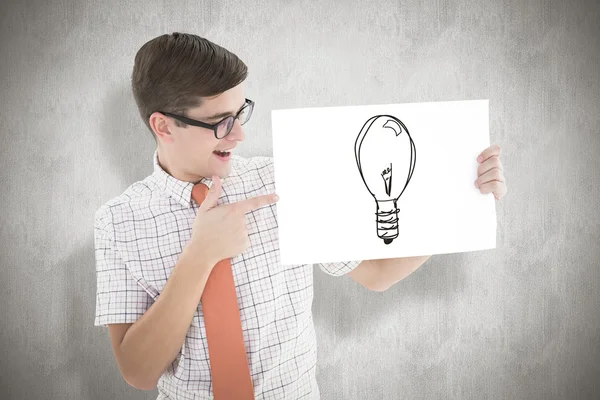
(387, 220)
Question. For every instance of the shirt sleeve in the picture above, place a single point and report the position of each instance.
(119, 298)
(338, 268)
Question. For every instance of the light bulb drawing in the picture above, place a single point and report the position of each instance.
(386, 157)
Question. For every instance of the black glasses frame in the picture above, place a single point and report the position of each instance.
(249, 103)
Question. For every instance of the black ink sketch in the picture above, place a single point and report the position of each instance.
(386, 160)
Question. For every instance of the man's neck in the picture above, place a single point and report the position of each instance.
(170, 168)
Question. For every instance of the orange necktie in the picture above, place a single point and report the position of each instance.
(227, 355)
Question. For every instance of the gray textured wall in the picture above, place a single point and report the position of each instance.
(518, 322)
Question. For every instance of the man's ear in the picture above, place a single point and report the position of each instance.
(160, 125)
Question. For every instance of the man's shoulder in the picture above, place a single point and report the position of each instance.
(247, 168)
(250, 164)
(252, 175)
(124, 203)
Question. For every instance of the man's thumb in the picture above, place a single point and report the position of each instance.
(213, 194)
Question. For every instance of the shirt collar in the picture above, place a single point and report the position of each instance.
(178, 190)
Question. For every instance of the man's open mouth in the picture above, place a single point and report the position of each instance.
(222, 153)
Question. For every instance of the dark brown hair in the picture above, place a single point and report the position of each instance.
(173, 72)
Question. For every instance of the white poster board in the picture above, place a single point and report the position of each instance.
(381, 181)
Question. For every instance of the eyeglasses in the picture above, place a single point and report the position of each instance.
(224, 126)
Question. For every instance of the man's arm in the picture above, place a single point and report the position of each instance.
(380, 275)
(144, 349)
(366, 274)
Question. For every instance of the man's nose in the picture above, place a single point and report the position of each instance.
(237, 132)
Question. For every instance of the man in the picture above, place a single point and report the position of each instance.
(156, 246)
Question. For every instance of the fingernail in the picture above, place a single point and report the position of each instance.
(479, 159)
(276, 197)
(476, 185)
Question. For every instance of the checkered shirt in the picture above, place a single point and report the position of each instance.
(139, 236)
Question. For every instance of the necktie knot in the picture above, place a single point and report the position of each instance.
(199, 192)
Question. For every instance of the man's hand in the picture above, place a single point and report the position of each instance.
(490, 177)
(220, 232)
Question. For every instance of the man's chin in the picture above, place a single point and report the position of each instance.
(225, 174)
(222, 171)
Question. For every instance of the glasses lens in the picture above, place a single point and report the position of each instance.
(224, 127)
(245, 114)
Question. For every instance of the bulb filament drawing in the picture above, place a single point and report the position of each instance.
(387, 179)
(385, 156)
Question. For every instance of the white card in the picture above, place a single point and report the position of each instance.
(381, 181)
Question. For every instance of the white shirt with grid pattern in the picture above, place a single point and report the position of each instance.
(139, 236)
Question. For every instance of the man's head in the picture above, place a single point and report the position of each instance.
(181, 76)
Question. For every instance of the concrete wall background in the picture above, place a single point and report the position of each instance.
(518, 322)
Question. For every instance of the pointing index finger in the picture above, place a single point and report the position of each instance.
(254, 203)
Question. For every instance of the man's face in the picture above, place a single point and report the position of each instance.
(192, 151)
